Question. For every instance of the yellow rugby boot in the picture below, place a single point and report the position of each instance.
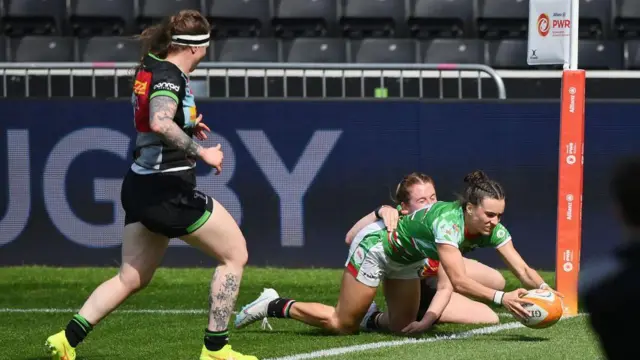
(226, 353)
(58, 347)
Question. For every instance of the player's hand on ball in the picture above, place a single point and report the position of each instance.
(390, 217)
(213, 156)
(513, 302)
(547, 287)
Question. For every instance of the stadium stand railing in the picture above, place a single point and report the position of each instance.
(259, 80)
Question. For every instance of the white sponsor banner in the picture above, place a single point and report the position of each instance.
(549, 32)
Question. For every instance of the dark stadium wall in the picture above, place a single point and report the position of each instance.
(298, 174)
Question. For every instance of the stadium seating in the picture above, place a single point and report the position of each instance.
(305, 18)
(314, 50)
(245, 50)
(492, 32)
(233, 18)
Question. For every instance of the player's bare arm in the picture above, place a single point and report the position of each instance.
(388, 214)
(528, 276)
(453, 264)
(440, 300)
(162, 110)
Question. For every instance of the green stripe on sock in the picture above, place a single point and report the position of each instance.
(86, 326)
(288, 307)
(216, 333)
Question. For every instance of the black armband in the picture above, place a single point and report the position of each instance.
(377, 212)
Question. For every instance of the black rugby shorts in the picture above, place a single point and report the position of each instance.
(166, 203)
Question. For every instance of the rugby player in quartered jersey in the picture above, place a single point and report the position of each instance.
(159, 194)
(153, 153)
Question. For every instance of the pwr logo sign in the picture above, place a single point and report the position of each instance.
(548, 32)
(543, 25)
(562, 24)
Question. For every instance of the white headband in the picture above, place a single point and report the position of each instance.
(191, 40)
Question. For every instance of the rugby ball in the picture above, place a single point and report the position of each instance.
(546, 309)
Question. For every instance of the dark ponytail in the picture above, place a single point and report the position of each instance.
(156, 39)
(480, 186)
(475, 177)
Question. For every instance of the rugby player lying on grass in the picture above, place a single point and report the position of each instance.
(436, 232)
(413, 193)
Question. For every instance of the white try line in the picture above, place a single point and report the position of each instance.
(124, 311)
(386, 344)
(133, 311)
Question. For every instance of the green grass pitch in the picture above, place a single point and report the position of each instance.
(167, 320)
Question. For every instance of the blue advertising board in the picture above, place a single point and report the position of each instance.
(298, 174)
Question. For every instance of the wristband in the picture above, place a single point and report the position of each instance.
(377, 212)
(497, 297)
(543, 285)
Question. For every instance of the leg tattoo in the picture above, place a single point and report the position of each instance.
(224, 292)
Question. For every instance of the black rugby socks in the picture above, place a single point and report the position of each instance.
(77, 329)
(372, 321)
(279, 308)
(215, 340)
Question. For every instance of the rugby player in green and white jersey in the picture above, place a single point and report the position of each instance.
(414, 192)
(438, 232)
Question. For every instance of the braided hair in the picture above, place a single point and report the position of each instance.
(479, 187)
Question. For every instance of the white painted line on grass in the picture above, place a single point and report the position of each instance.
(392, 343)
(125, 311)
(386, 344)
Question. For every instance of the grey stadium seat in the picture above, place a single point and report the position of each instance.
(627, 18)
(508, 54)
(3, 49)
(379, 18)
(305, 18)
(109, 48)
(374, 50)
(101, 17)
(441, 18)
(152, 11)
(314, 50)
(600, 55)
(595, 19)
(460, 51)
(500, 19)
(246, 18)
(245, 50)
(33, 17)
(42, 49)
(632, 49)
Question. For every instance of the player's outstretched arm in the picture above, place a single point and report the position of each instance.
(453, 263)
(162, 110)
(528, 276)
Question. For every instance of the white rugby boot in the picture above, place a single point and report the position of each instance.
(372, 309)
(256, 310)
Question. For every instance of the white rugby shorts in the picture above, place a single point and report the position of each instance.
(368, 263)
